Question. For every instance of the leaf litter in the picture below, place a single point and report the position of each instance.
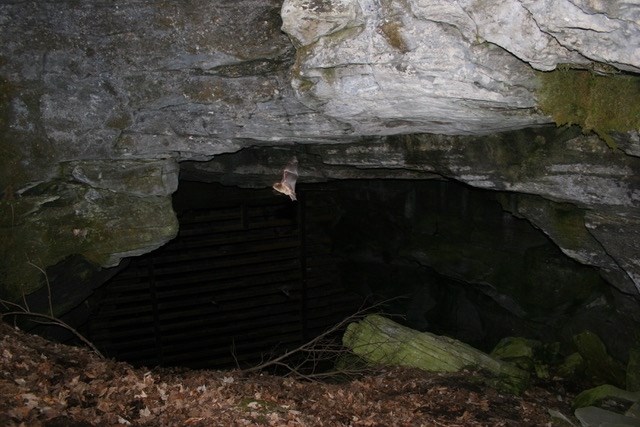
(53, 385)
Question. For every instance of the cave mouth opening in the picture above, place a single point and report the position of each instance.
(252, 274)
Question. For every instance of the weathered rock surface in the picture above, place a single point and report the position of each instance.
(99, 101)
(592, 416)
(95, 95)
(433, 66)
(104, 210)
(400, 67)
(546, 33)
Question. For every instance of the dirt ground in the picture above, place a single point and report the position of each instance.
(48, 384)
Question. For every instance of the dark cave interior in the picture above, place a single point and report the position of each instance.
(252, 274)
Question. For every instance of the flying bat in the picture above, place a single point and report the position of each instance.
(289, 177)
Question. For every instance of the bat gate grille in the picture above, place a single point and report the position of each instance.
(249, 274)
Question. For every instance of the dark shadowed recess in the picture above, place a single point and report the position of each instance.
(252, 273)
(249, 275)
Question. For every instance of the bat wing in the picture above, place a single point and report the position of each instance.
(292, 166)
(289, 178)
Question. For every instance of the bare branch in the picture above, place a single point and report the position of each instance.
(321, 349)
(24, 301)
(6, 304)
(24, 310)
(46, 278)
(54, 321)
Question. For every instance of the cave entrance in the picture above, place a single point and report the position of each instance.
(249, 274)
(252, 274)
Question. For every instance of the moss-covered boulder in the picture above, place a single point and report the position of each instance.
(598, 395)
(529, 355)
(599, 363)
(573, 366)
(380, 340)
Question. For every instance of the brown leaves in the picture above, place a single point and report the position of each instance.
(42, 382)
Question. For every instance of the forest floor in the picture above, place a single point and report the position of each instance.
(48, 384)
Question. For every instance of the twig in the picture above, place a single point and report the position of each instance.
(24, 300)
(233, 353)
(46, 278)
(9, 303)
(303, 347)
(316, 351)
(53, 321)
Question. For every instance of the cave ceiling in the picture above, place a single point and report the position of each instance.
(102, 107)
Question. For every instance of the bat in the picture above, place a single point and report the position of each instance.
(289, 177)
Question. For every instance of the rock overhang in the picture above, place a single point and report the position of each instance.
(182, 87)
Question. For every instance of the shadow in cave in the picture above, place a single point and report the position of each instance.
(462, 265)
(252, 274)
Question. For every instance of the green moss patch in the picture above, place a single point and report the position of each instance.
(601, 104)
(598, 362)
(381, 341)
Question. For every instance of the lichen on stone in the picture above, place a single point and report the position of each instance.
(393, 36)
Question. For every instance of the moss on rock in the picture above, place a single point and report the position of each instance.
(595, 396)
(101, 210)
(101, 225)
(602, 104)
(599, 364)
(379, 340)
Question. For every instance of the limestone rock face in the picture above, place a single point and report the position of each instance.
(104, 210)
(546, 33)
(541, 33)
(433, 66)
(99, 104)
(398, 67)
